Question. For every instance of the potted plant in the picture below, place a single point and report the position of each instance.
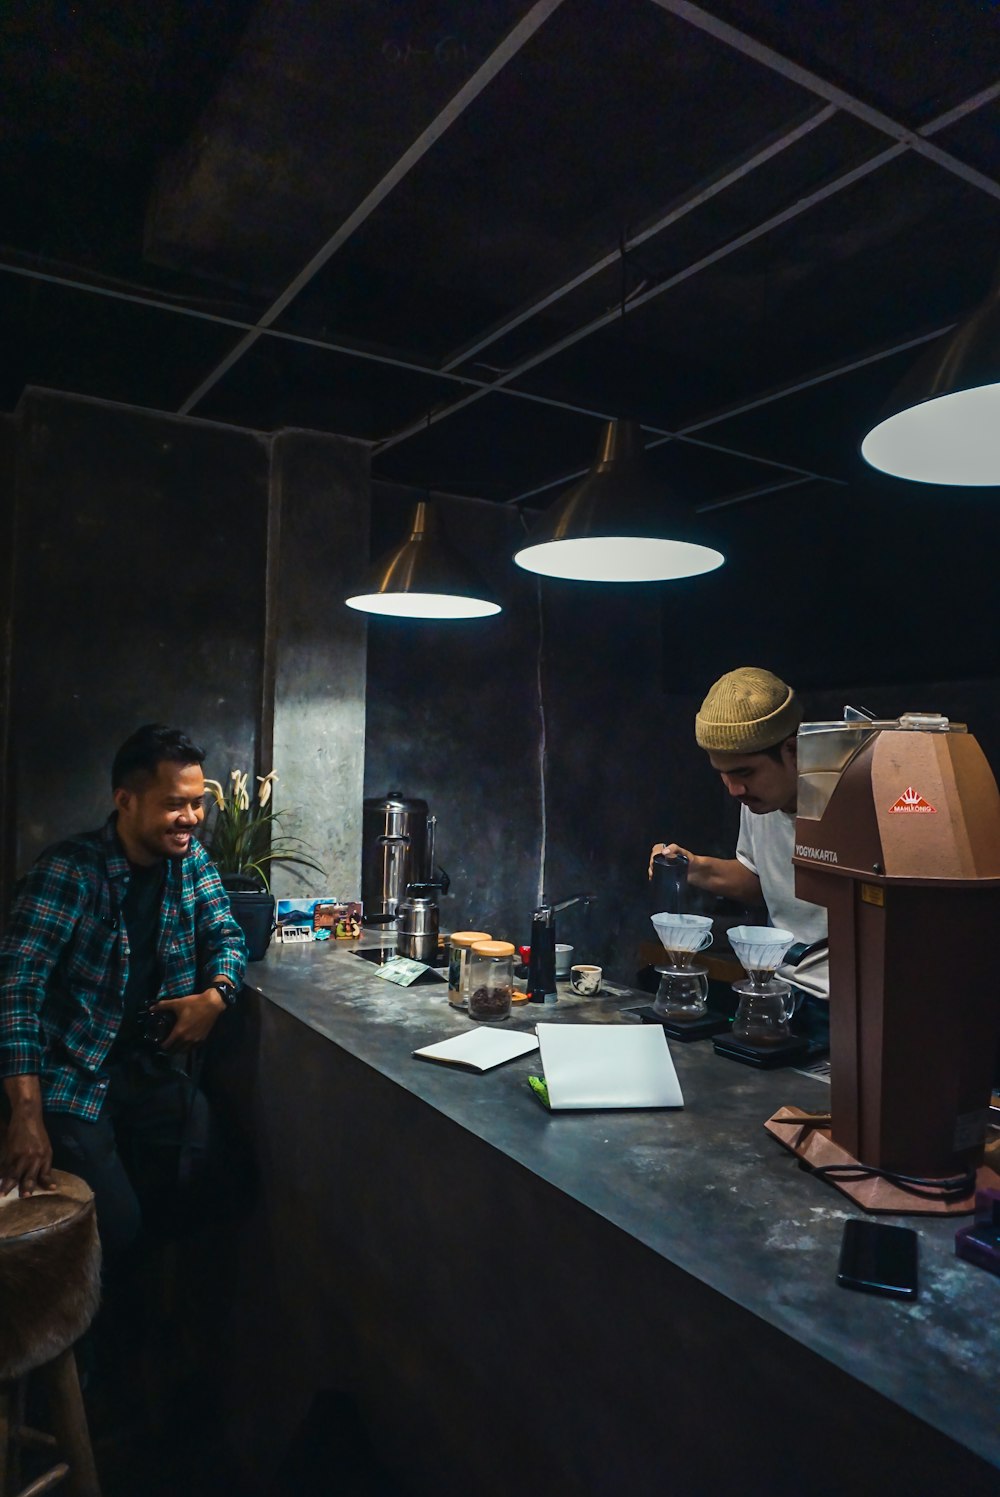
(243, 841)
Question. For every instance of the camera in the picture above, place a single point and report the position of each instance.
(154, 1026)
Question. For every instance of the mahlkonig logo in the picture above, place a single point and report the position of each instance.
(912, 800)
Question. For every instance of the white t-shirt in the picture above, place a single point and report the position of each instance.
(765, 846)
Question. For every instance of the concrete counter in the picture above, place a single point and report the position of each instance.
(592, 1302)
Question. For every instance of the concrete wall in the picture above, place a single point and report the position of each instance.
(7, 469)
(538, 738)
(173, 570)
(138, 597)
(318, 551)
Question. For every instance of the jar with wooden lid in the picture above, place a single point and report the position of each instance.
(489, 980)
(461, 940)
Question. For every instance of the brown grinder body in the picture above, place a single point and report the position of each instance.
(905, 855)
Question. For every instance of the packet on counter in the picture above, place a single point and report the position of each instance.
(402, 970)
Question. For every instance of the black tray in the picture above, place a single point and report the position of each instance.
(694, 1029)
(765, 1058)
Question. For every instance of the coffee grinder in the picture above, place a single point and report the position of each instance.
(541, 985)
(898, 835)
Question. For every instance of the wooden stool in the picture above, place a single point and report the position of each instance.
(50, 1264)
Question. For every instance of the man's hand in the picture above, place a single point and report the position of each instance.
(726, 876)
(26, 1153)
(194, 1018)
(670, 850)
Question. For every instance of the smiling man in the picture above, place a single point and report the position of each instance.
(747, 725)
(119, 956)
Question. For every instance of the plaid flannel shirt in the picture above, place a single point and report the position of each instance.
(64, 960)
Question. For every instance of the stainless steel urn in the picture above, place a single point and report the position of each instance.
(397, 850)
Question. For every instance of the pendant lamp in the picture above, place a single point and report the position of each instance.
(942, 425)
(423, 578)
(619, 524)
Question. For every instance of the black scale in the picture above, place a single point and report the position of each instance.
(804, 1046)
(765, 1057)
(691, 1029)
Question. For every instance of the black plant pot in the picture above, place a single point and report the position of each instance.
(254, 911)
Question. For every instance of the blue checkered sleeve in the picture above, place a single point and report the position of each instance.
(221, 947)
(50, 900)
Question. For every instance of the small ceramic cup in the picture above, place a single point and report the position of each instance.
(585, 980)
(564, 955)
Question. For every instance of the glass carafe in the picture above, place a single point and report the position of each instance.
(764, 1011)
(683, 993)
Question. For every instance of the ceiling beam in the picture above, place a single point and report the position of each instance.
(660, 434)
(746, 494)
(685, 433)
(914, 140)
(116, 293)
(677, 210)
(837, 100)
(347, 350)
(833, 371)
(838, 184)
(802, 205)
(453, 110)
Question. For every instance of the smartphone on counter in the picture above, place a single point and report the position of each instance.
(878, 1259)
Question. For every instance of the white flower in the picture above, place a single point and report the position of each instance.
(215, 789)
(266, 782)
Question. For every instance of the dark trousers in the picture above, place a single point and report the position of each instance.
(148, 1158)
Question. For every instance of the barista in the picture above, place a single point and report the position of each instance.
(747, 726)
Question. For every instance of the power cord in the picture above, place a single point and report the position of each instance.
(954, 1187)
(951, 1187)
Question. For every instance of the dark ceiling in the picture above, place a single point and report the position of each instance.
(404, 223)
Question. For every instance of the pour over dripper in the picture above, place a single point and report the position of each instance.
(760, 950)
(682, 936)
(766, 1002)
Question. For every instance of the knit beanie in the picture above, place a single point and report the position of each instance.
(747, 710)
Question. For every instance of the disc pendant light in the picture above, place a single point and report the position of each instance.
(619, 524)
(943, 423)
(423, 578)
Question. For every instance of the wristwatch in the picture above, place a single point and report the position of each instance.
(226, 990)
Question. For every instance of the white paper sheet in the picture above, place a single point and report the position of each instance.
(608, 1065)
(480, 1049)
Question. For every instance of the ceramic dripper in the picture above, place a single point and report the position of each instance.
(760, 949)
(682, 936)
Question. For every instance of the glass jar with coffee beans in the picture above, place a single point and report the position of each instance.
(461, 942)
(490, 980)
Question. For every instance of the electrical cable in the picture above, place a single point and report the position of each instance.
(542, 743)
(951, 1187)
(948, 1187)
